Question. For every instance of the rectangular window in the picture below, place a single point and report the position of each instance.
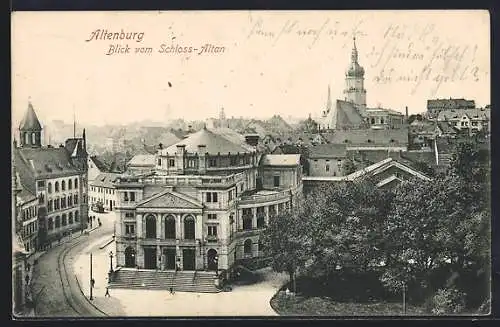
(212, 216)
(276, 181)
(171, 162)
(212, 162)
(132, 196)
(75, 199)
(129, 229)
(214, 197)
(41, 183)
(230, 195)
(129, 214)
(327, 168)
(209, 197)
(212, 230)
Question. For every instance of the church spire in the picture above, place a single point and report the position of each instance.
(354, 54)
(329, 100)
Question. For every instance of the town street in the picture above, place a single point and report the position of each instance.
(61, 286)
(55, 288)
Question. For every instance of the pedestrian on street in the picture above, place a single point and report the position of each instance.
(172, 291)
(107, 292)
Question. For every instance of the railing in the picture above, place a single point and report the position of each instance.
(259, 198)
(186, 180)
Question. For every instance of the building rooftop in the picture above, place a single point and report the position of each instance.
(105, 180)
(99, 164)
(473, 114)
(30, 120)
(328, 151)
(142, 160)
(450, 103)
(42, 163)
(280, 160)
(213, 141)
(368, 137)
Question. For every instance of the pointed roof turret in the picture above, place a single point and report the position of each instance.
(30, 121)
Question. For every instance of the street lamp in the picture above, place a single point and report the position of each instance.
(111, 262)
(91, 279)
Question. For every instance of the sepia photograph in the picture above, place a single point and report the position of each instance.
(251, 164)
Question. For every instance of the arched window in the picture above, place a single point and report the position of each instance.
(58, 222)
(64, 222)
(150, 226)
(56, 187)
(50, 224)
(170, 227)
(70, 184)
(189, 228)
(70, 222)
(26, 138)
(63, 186)
(77, 216)
(76, 182)
(247, 247)
(381, 120)
(49, 187)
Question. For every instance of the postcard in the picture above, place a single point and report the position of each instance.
(251, 163)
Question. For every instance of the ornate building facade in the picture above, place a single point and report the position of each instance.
(57, 177)
(204, 206)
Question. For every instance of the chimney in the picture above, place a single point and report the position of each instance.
(202, 164)
(406, 112)
(252, 139)
(160, 146)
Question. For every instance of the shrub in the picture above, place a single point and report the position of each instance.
(447, 301)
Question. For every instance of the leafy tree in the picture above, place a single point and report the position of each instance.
(287, 239)
(348, 167)
(414, 117)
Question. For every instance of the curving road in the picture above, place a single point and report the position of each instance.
(56, 289)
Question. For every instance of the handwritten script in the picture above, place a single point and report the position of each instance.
(326, 28)
(416, 54)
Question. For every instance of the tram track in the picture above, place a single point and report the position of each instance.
(76, 300)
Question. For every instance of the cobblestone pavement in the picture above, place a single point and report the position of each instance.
(249, 300)
(46, 282)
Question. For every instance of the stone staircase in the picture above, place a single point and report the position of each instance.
(181, 281)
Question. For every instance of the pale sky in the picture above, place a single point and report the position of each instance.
(273, 62)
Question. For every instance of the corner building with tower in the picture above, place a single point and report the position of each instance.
(205, 205)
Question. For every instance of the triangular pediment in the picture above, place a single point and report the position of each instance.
(170, 199)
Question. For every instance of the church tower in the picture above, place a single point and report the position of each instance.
(30, 129)
(355, 76)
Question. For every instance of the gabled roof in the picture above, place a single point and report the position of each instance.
(170, 199)
(280, 160)
(105, 180)
(214, 143)
(30, 120)
(142, 160)
(473, 114)
(42, 163)
(346, 115)
(382, 166)
(328, 151)
(99, 164)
